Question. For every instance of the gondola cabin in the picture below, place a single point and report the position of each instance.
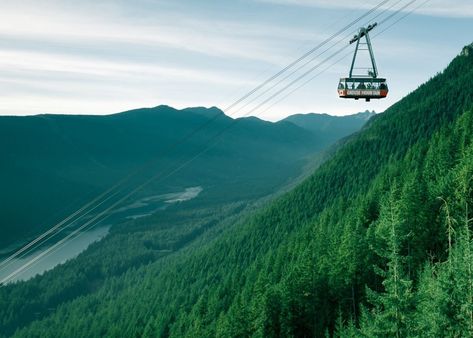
(368, 88)
(363, 86)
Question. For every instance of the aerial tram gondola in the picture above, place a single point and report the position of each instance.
(368, 86)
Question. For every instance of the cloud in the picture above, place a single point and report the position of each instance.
(77, 54)
(110, 55)
(441, 8)
(111, 50)
(31, 62)
(179, 31)
(41, 82)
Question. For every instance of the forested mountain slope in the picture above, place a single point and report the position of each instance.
(376, 243)
(50, 159)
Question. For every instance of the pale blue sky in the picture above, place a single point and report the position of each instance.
(100, 57)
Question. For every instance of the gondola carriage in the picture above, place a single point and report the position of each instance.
(368, 86)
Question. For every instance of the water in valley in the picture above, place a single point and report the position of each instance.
(137, 209)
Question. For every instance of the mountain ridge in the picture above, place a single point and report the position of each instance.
(68, 157)
(303, 265)
(359, 248)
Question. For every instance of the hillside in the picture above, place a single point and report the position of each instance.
(377, 242)
(52, 164)
(328, 126)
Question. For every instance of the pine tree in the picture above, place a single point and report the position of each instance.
(392, 308)
(431, 318)
(343, 329)
(463, 255)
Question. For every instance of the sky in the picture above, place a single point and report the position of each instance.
(104, 56)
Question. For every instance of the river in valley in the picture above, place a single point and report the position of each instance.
(137, 209)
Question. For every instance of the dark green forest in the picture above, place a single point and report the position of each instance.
(376, 242)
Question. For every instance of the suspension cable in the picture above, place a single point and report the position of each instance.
(341, 40)
(215, 138)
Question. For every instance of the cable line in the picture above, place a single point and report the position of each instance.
(45, 236)
(343, 39)
(214, 141)
(307, 54)
(350, 53)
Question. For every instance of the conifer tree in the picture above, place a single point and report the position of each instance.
(391, 314)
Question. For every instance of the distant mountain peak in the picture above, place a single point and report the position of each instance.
(208, 112)
(166, 110)
(330, 127)
(319, 117)
(366, 115)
